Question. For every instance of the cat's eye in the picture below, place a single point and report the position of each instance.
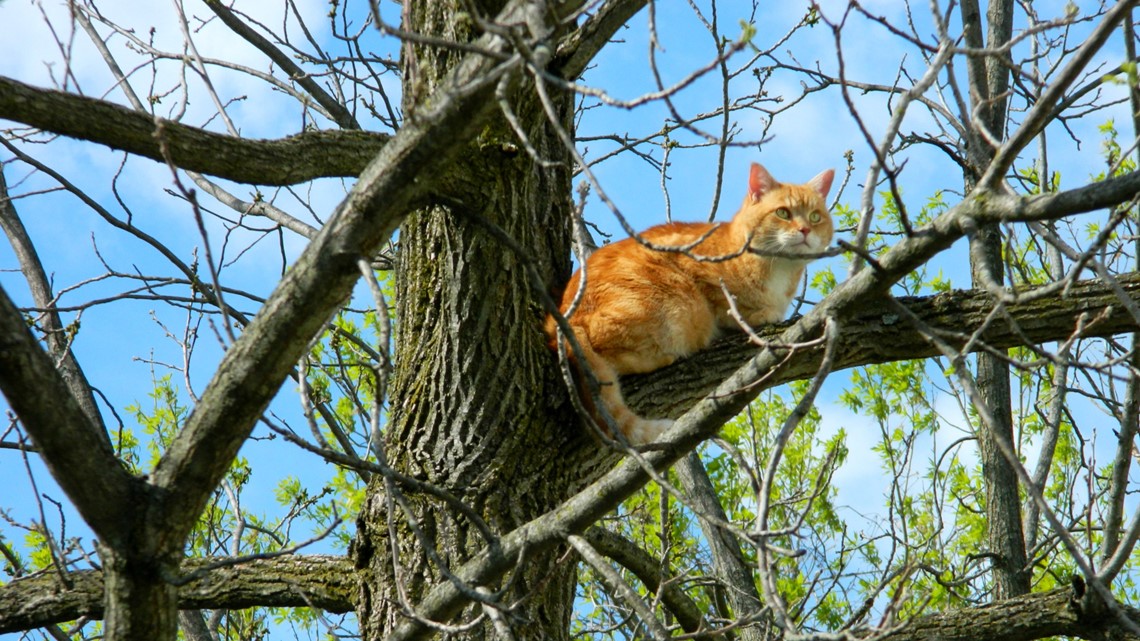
(815, 217)
(783, 214)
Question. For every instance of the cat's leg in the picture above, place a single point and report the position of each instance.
(647, 430)
(657, 343)
(760, 317)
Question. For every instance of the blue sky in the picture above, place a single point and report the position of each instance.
(116, 341)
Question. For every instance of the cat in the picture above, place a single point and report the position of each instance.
(644, 308)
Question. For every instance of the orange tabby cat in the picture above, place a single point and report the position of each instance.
(642, 308)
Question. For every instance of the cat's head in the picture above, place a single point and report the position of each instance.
(783, 218)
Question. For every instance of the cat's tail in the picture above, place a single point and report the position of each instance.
(637, 430)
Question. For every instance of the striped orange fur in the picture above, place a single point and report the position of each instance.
(643, 308)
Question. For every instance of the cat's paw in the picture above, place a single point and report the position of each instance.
(646, 431)
(769, 317)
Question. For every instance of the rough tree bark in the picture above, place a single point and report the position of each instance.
(325, 582)
(144, 521)
(471, 408)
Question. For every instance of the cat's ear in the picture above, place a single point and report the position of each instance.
(760, 182)
(822, 182)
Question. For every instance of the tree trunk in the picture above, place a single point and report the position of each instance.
(989, 82)
(140, 601)
(728, 562)
(472, 410)
(1003, 501)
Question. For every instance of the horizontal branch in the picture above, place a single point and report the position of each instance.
(329, 583)
(1069, 612)
(326, 582)
(877, 334)
(288, 161)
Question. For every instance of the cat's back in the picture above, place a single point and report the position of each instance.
(630, 266)
(676, 234)
(652, 245)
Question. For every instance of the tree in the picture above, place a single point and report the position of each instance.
(484, 506)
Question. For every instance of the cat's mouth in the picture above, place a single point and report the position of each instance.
(789, 251)
(786, 246)
(800, 244)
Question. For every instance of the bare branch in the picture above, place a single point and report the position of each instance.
(649, 571)
(296, 159)
(337, 110)
(78, 454)
(576, 51)
(56, 336)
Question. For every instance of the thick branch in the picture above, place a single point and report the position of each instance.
(878, 335)
(326, 582)
(296, 159)
(1032, 616)
(1002, 497)
(729, 566)
(580, 47)
(322, 278)
(76, 451)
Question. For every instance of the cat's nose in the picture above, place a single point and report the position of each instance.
(805, 231)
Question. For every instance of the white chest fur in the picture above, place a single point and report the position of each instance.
(783, 281)
(761, 296)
